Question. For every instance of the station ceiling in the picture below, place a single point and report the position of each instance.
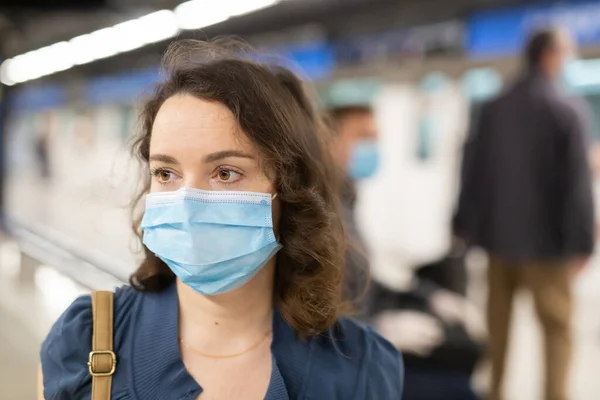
(30, 24)
(26, 26)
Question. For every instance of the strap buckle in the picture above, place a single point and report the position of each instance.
(102, 373)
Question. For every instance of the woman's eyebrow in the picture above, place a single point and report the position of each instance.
(163, 158)
(219, 155)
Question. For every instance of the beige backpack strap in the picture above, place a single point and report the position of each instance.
(103, 361)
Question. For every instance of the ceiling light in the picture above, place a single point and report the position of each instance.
(130, 35)
(6, 76)
(123, 37)
(248, 6)
(83, 53)
(159, 26)
(198, 14)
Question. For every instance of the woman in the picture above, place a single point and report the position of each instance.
(239, 294)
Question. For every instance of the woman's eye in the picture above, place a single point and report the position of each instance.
(228, 176)
(163, 176)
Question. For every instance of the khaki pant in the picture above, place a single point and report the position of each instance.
(550, 285)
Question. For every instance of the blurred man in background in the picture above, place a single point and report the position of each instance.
(527, 199)
(356, 153)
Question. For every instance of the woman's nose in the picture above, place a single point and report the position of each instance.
(197, 181)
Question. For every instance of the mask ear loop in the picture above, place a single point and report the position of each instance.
(274, 196)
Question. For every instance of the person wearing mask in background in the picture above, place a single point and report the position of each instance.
(526, 198)
(355, 151)
(436, 330)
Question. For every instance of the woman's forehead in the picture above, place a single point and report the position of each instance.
(190, 124)
(188, 112)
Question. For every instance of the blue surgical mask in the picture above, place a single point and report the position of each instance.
(214, 241)
(364, 159)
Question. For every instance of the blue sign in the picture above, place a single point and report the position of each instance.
(504, 32)
(314, 60)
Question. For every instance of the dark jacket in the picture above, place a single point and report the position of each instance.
(526, 186)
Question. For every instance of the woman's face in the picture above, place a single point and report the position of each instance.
(198, 143)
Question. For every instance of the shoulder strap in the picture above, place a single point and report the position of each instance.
(102, 361)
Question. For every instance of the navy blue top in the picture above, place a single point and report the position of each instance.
(358, 364)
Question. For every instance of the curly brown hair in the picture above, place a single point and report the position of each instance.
(271, 106)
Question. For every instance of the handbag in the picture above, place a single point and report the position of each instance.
(102, 362)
